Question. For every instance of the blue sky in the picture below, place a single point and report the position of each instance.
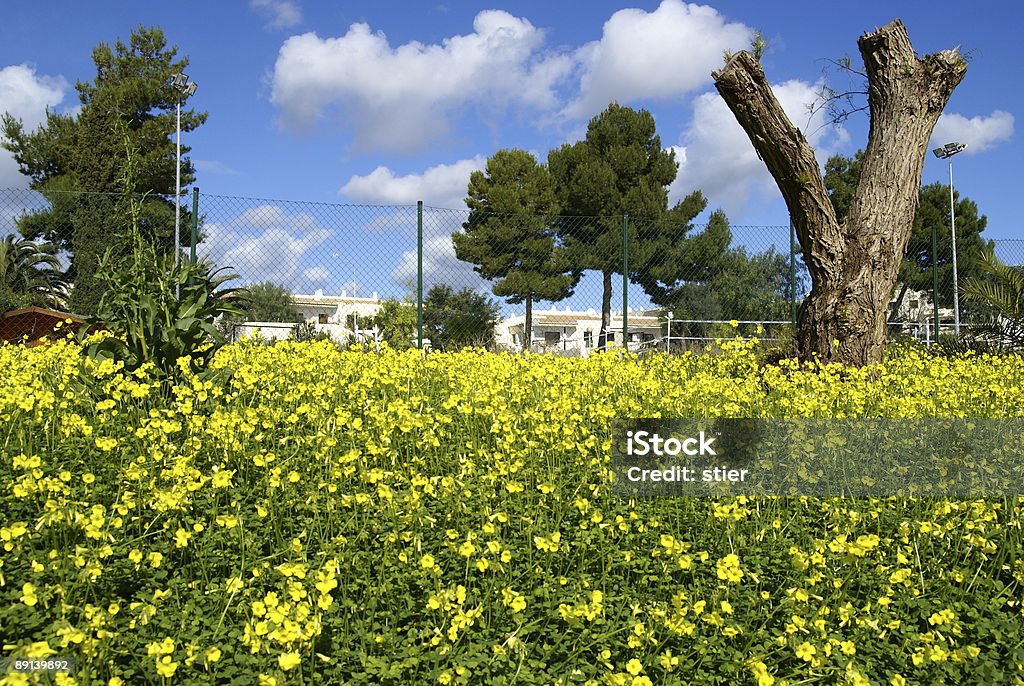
(390, 102)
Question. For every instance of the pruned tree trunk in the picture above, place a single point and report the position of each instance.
(854, 265)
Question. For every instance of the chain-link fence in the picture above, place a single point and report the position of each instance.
(412, 275)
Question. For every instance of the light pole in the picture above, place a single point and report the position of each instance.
(946, 152)
(185, 89)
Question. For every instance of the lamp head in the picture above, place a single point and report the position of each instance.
(948, 150)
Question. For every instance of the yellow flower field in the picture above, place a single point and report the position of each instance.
(304, 515)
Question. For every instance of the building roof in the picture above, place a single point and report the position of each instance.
(33, 324)
(319, 298)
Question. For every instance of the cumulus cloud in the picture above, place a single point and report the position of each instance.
(267, 243)
(718, 158)
(280, 14)
(25, 95)
(443, 185)
(401, 99)
(979, 133)
(659, 54)
(440, 265)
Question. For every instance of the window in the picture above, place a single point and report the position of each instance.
(552, 337)
(322, 318)
(588, 339)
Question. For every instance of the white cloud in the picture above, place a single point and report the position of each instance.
(719, 159)
(318, 275)
(280, 14)
(443, 185)
(402, 98)
(659, 54)
(440, 266)
(25, 95)
(215, 167)
(979, 133)
(267, 243)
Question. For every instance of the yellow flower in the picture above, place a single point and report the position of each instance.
(634, 666)
(898, 680)
(288, 661)
(213, 654)
(805, 651)
(165, 667)
(222, 478)
(39, 649)
(28, 595)
(135, 556)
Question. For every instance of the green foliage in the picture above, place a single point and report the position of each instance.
(269, 302)
(509, 234)
(620, 168)
(1000, 288)
(396, 323)
(307, 331)
(669, 259)
(150, 324)
(76, 160)
(30, 274)
(162, 311)
(456, 319)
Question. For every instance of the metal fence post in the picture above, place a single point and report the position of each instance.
(935, 281)
(195, 224)
(792, 272)
(625, 282)
(419, 274)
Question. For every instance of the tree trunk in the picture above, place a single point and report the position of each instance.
(528, 336)
(854, 265)
(606, 310)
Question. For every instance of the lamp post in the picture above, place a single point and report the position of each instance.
(946, 152)
(185, 89)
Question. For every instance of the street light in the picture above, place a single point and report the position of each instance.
(946, 152)
(185, 89)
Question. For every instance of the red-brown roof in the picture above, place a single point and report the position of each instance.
(33, 325)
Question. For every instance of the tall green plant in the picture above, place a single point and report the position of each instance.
(1001, 288)
(141, 306)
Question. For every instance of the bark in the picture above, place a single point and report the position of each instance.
(854, 265)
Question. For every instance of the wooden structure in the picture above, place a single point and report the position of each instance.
(35, 325)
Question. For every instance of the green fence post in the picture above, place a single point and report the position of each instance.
(625, 282)
(935, 282)
(195, 224)
(792, 273)
(419, 274)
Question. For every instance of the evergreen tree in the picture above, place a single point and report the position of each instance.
(509, 234)
(618, 169)
(77, 160)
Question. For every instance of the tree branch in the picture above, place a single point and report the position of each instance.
(788, 156)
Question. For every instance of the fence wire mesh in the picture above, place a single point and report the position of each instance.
(448, 277)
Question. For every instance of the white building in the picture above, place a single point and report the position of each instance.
(916, 315)
(574, 332)
(344, 317)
